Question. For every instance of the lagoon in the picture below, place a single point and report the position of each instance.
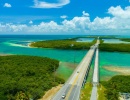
(19, 45)
(85, 39)
(114, 41)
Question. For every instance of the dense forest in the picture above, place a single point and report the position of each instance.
(26, 77)
(125, 39)
(72, 44)
(115, 85)
(63, 44)
(114, 47)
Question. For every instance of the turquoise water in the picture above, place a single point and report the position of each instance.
(114, 41)
(85, 39)
(19, 45)
(115, 59)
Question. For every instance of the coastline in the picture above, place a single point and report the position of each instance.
(50, 93)
(119, 70)
(2, 54)
(72, 44)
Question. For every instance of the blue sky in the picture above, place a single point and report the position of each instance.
(65, 17)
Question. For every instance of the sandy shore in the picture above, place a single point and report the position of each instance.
(68, 64)
(2, 54)
(49, 94)
(120, 70)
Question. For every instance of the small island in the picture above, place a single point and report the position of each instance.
(72, 44)
(63, 44)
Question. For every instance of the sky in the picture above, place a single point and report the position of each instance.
(90, 17)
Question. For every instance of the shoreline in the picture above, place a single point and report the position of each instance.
(66, 45)
(119, 70)
(3, 54)
(50, 93)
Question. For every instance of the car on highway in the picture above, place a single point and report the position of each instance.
(63, 96)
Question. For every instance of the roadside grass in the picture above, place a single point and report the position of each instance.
(86, 91)
(101, 95)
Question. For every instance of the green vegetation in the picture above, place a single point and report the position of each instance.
(115, 47)
(115, 85)
(111, 47)
(87, 89)
(26, 77)
(63, 44)
(72, 44)
(86, 92)
(101, 37)
(101, 94)
(125, 39)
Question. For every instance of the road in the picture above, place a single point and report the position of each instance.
(71, 89)
(95, 80)
(94, 93)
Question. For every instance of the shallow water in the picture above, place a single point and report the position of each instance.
(85, 39)
(19, 45)
(114, 41)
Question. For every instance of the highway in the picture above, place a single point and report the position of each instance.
(96, 72)
(94, 93)
(71, 89)
(95, 80)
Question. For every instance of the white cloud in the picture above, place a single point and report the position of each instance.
(85, 14)
(30, 22)
(119, 12)
(77, 23)
(7, 5)
(63, 17)
(102, 23)
(119, 22)
(42, 4)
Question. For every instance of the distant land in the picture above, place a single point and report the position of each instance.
(72, 44)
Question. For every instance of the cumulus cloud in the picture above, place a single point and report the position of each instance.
(58, 4)
(118, 22)
(30, 22)
(119, 12)
(7, 5)
(63, 17)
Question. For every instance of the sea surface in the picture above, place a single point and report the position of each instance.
(85, 39)
(18, 44)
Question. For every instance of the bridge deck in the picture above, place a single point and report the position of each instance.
(72, 87)
(95, 80)
(95, 73)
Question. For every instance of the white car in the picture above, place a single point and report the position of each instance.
(63, 96)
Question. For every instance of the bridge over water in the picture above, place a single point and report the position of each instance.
(71, 89)
(95, 80)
